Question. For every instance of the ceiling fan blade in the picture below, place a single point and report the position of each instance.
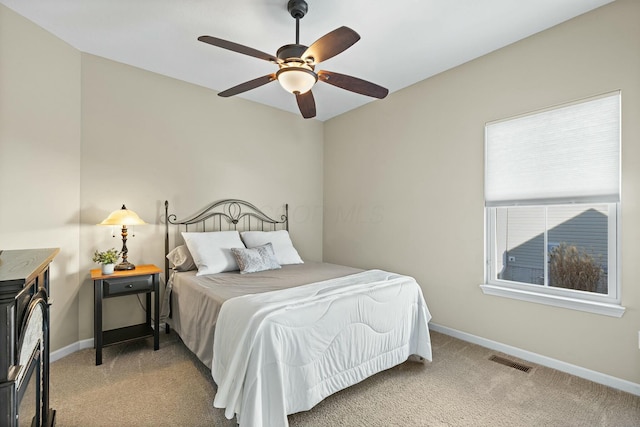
(251, 84)
(307, 104)
(331, 44)
(235, 47)
(353, 84)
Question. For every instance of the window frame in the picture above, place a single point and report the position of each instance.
(609, 304)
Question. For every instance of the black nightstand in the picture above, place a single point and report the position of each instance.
(143, 279)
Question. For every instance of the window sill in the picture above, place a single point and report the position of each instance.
(605, 309)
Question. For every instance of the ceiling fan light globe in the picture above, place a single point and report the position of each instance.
(296, 79)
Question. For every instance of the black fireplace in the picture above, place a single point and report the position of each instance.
(24, 335)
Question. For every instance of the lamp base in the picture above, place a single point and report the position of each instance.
(125, 266)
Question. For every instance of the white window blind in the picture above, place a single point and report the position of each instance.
(567, 154)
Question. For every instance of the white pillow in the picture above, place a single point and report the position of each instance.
(181, 259)
(282, 246)
(211, 251)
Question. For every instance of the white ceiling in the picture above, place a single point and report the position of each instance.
(402, 42)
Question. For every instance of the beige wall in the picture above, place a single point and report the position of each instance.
(148, 138)
(40, 157)
(80, 135)
(402, 177)
(404, 184)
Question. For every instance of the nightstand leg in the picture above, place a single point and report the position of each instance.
(156, 311)
(148, 314)
(97, 320)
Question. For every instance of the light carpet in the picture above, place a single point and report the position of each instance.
(136, 386)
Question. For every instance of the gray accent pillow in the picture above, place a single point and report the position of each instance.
(256, 259)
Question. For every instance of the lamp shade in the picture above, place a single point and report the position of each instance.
(296, 79)
(123, 216)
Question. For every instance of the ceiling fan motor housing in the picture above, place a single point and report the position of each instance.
(297, 8)
(291, 51)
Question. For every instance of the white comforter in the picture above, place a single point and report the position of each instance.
(282, 352)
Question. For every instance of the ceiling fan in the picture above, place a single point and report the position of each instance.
(297, 62)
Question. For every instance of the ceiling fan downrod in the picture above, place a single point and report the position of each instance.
(297, 9)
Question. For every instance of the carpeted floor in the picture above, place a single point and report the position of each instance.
(136, 386)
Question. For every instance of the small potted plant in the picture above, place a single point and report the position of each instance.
(107, 258)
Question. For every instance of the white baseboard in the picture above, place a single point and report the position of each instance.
(597, 377)
(71, 348)
(80, 345)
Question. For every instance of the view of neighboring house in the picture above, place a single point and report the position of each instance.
(522, 239)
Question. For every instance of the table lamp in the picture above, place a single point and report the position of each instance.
(123, 217)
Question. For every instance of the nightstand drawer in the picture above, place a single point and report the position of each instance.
(125, 285)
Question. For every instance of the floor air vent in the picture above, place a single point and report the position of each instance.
(510, 363)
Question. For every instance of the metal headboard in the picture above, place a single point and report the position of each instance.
(225, 214)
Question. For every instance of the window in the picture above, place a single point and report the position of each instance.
(552, 196)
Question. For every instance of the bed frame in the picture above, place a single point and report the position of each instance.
(222, 215)
(226, 214)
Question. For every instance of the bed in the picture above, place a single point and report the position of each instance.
(278, 333)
